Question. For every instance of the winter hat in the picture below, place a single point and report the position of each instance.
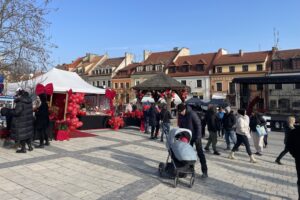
(227, 109)
(181, 107)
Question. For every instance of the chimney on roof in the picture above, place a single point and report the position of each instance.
(176, 49)
(128, 58)
(222, 51)
(241, 53)
(146, 54)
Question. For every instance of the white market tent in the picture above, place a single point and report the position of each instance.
(62, 82)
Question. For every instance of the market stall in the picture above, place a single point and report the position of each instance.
(68, 99)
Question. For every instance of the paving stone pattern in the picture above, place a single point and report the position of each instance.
(123, 165)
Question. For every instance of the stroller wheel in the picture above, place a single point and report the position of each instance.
(176, 180)
(161, 168)
(192, 180)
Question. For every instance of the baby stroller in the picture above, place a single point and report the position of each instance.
(182, 154)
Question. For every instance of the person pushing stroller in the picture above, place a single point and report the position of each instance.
(188, 119)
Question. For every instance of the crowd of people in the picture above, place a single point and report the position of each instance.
(236, 128)
(27, 121)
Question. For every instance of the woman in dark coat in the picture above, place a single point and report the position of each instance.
(293, 146)
(42, 121)
(22, 121)
(154, 118)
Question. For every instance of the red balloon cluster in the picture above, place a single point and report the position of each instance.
(73, 110)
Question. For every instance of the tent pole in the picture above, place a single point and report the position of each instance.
(51, 98)
(66, 105)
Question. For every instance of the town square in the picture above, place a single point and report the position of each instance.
(149, 100)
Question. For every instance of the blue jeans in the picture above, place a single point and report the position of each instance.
(230, 135)
(165, 130)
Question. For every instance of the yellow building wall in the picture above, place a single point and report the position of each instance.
(239, 68)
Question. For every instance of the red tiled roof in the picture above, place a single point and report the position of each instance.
(74, 63)
(126, 69)
(205, 59)
(286, 54)
(114, 62)
(247, 57)
(164, 57)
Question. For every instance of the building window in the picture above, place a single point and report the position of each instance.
(127, 85)
(231, 68)
(93, 83)
(200, 67)
(201, 97)
(149, 68)
(245, 68)
(231, 88)
(219, 69)
(137, 82)
(183, 82)
(139, 69)
(259, 68)
(116, 85)
(108, 84)
(284, 104)
(103, 83)
(199, 83)
(172, 69)
(158, 68)
(122, 85)
(259, 87)
(98, 83)
(219, 87)
(278, 86)
(127, 98)
(110, 71)
(273, 104)
(185, 68)
(297, 86)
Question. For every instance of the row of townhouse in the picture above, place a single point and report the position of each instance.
(209, 75)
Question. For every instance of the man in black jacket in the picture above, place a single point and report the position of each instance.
(213, 125)
(188, 119)
(228, 125)
(293, 146)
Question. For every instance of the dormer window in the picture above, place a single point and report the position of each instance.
(172, 69)
(185, 68)
(200, 67)
(149, 68)
(219, 69)
(158, 68)
(245, 68)
(139, 69)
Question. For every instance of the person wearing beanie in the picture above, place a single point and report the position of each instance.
(242, 133)
(188, 119)
(229, 126)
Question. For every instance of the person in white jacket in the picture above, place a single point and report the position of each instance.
(242, 134)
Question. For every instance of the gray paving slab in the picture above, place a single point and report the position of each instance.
(123, 165)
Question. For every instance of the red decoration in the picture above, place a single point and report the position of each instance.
(40, 89)
(110, 94)
(116, 122)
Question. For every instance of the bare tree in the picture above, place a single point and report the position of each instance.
(24, 46)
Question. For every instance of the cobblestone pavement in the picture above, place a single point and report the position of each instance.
(123, 165)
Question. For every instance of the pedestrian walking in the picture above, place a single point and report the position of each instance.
(22, 121)
(256, 120)
(242, 133)
(293, 146)
(42, 121)
(154, 118)
(229, 122)
(220, 115)
(187, 118)
(213, 125)
(165, 118)
(290, 126)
